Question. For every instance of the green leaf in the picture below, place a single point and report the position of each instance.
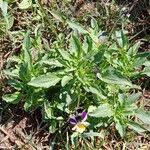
(98, 57)
(134, 49)
(32, 100)
(53, 126)
(121, 39)
(45, 81)
(103, 110)
(26, 42)
(65, 80)
(87, 44)
(94, 23)
(25, 4)
(93, 134)
(12, 98)
(52, 62)
(144, 116)
(134, 97)
(24, 72)
(147, 63)
(146, 71)
(74, 139)
(58, 16)
(64, 54)
(95, 91)
(124, 39)
(14, 73)
(135, 126)
(120, 128)
(139, 61)
(111, 78)
(77, 27)
(4, 7)
(77, 46)
(27, 58)
(69, 94)
(15, 83)
(28, 104)
(10, 21)
(143, 54)
(48, 109)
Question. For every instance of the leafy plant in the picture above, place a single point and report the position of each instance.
(7, 20)
(20, 74)
(81, 71)
(121, 110)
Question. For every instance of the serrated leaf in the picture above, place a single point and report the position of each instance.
(11, 98)
(65, 80)
(144, 116)
(103, 110)
(77, 27)
(45, 81)
(25, 4)
(135, 126)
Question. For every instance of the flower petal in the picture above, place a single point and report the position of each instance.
(74, 128)
(84, 116)
(86, 123)
(72, 120)
(80, 127)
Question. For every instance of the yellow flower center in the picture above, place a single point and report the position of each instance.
(79, 127)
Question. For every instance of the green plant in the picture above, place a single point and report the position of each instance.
(121, 110)
(26, 66)
(81, 71)
(6, 18)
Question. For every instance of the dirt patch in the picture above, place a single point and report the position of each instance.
(24, 131)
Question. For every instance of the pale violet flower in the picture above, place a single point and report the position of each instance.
(79, 122)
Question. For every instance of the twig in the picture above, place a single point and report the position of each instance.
(138, 33)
